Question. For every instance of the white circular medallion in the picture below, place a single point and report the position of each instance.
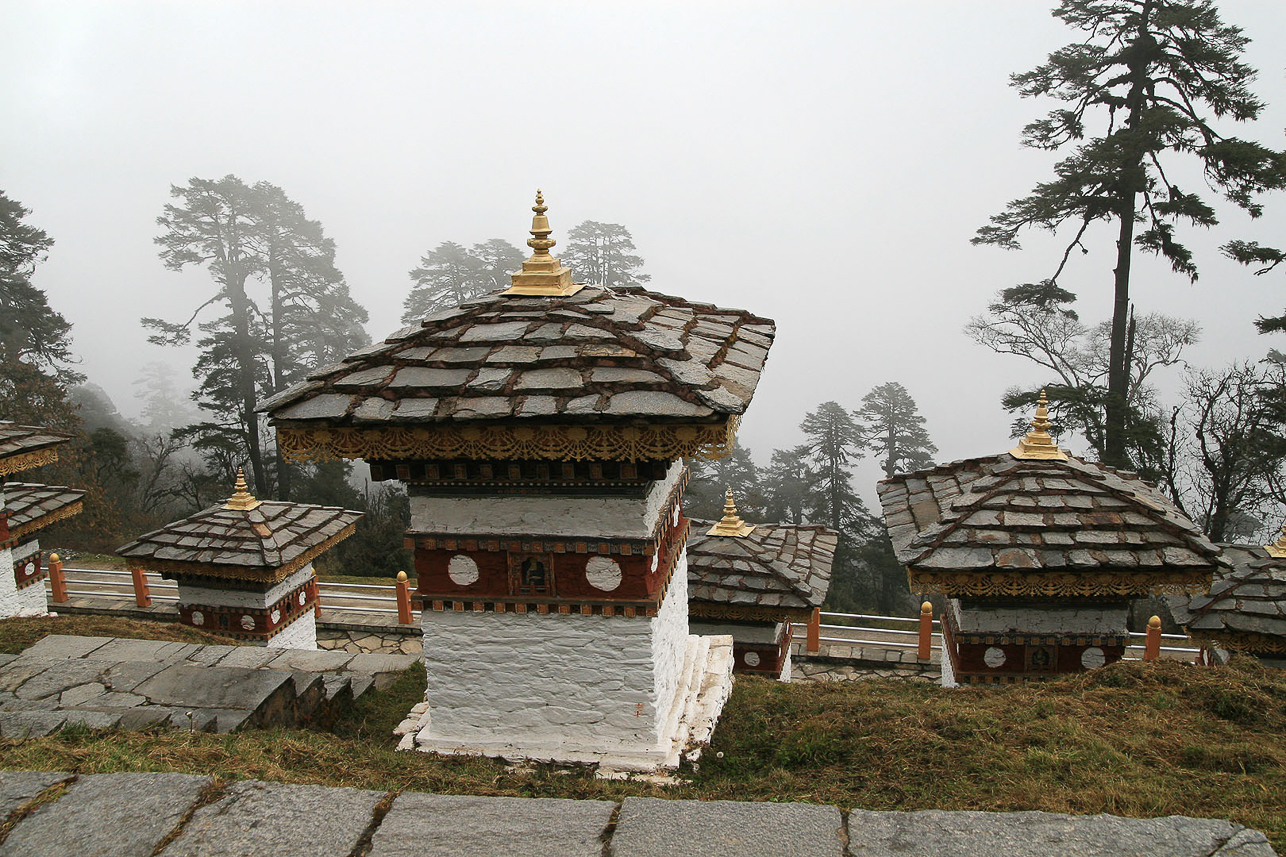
(462, 570)
(656, 559)
(248, 622)
(603, 573)
(303, 598)
(1093, 658)
(26, 569)
(751, 659)
(674, 522)
(276, 616)
(993, 657)
(198, 618)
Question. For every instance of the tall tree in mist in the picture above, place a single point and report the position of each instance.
(1152, 74)
(711, 479)
(35, 345)
(450, 274)
(285, 308)
(891, 427)
(602, 254)
(834, 447)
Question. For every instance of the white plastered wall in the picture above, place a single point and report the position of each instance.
(544, 515)
(553, 686)
(29, 601)
(1107, 619)
(299, 634)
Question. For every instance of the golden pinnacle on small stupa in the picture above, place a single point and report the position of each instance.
(731, 524)
(1037, 444)
(1278, 548)
(542, 274)
(241, 500)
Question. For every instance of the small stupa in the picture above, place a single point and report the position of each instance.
(245, 568)
(1039, 553)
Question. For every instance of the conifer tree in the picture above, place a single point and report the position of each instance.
(892, 427)
(602, 254)
(1153, 75)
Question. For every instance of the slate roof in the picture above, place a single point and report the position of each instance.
(268, 542)
(31, 506)
(1003, 514)
(776, 565)
(1244, 602)
(596, 356)
(24, 447)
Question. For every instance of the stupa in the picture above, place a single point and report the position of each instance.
(1245, 610)
(1039, 553)
(541, 432)
(752, 581)
(245, 568)
(25, 508)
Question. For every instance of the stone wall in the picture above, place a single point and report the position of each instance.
(299, 634)
(553, 685)
(29, 601)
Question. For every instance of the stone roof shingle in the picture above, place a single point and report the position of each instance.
(596, 356)
(32, 507)
(265, 543)
(776, 566)
(1246, 606)
(25, 447)
(1004, 514)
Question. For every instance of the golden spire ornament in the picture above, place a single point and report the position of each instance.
(731, 525)
(1278, 548)
(542, 274)
(1038, 445)
(241, 500)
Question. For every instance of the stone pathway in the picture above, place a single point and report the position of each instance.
(182, 815)
(106, 683)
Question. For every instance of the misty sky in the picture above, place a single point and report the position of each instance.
(822, 164)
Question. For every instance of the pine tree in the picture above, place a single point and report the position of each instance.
(253, 239)
(834, 445)
(891, 427)
(1152, 71)
(602, 254)
(710, 479)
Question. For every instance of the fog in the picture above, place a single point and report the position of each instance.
(821, 164)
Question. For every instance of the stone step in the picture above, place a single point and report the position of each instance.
(112, 683)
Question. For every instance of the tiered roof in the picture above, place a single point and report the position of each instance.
(1245, 609)
(769, 572)
(244, 539)
(32, 507)
(595, 357)
(25, 447)
(1041, 525)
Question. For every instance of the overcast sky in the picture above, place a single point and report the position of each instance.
(822, 164)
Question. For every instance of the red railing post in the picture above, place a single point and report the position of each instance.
(1152, 649)
(57, 580)
(926, 631)
(142, 595)
(403, 599)
(815, 631)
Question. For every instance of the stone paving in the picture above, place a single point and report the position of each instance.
(106, 683)
(182, 815)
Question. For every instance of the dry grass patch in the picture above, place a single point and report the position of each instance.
(1131, 739)
(19, 633)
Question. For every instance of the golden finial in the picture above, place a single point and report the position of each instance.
(542, 274)
(241, 499)
(1038, 444)
(1278, 548)
(731, 525)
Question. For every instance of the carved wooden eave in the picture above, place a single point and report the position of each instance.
(1076, 584)
(173, 569)
(509, 441)
(20, 532)
(27, 460)
(1245, 642)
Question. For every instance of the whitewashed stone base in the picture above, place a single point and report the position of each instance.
(299, 634)
(30, 601)
(701, 692)
(948, 672)
(786, 664)
(1107, 619)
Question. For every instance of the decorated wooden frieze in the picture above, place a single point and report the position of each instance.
(244, 622)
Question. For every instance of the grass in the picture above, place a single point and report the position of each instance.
(1131, 739)
(18, 634)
